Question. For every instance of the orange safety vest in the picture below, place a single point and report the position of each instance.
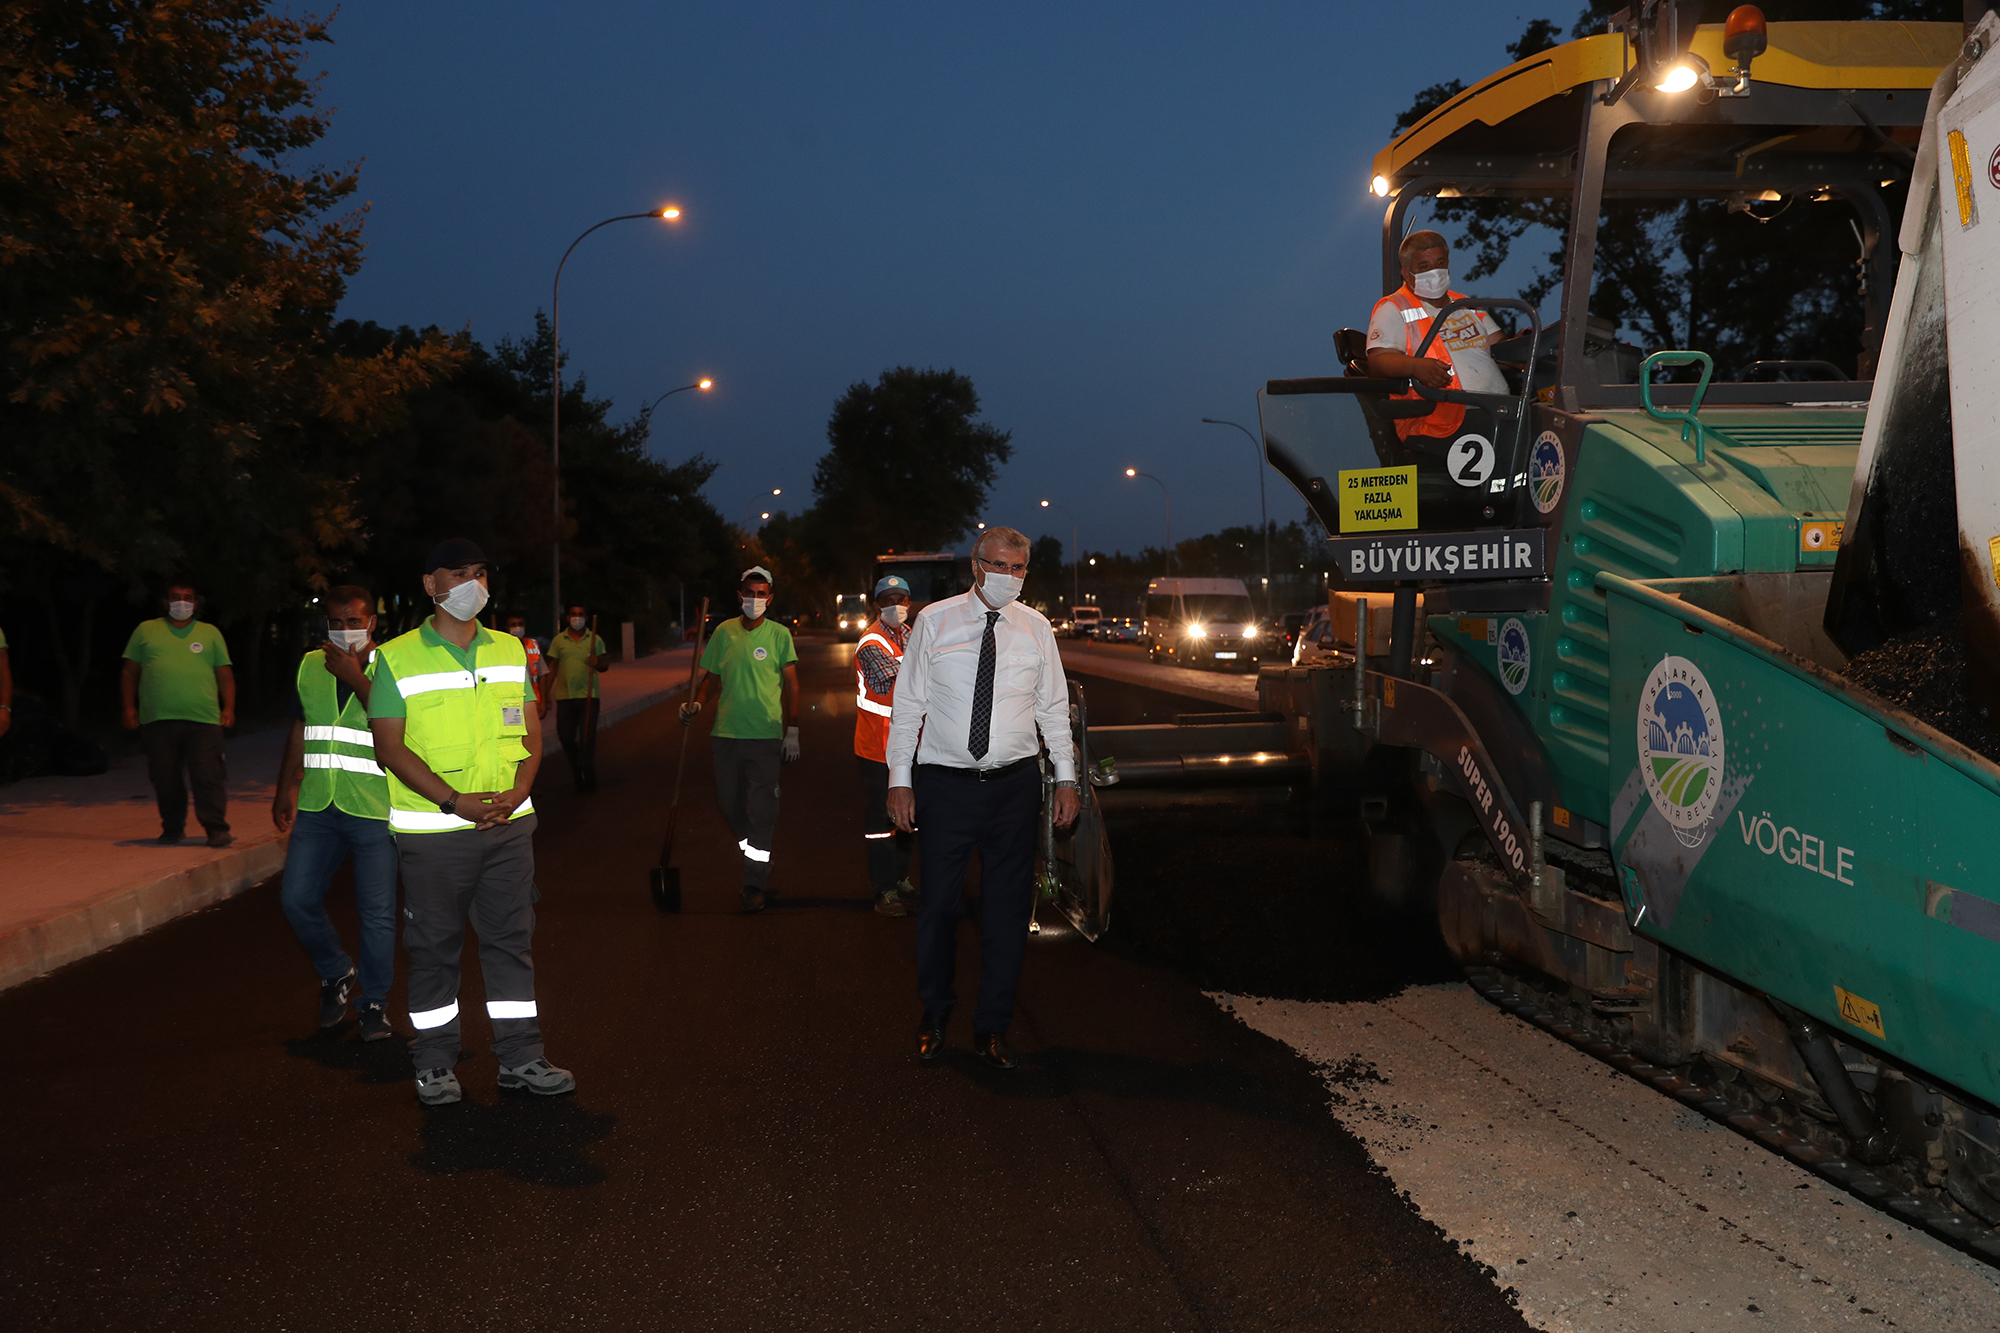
(1444, 419)
(871, 710)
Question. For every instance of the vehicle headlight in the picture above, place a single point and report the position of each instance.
(1249, 631)
(1197, 632)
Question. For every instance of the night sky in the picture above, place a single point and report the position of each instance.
(1116, 219)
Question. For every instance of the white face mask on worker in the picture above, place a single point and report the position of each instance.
(350, 639)
(180, 610)
(892, 616)
(464, 602)
(999, 589)
(576, 622)
(1432, 283)
(753, 607)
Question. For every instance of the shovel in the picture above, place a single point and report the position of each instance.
(666, 875)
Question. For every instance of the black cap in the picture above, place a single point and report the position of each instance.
(454, 553)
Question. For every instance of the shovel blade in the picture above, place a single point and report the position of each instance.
(667, 888)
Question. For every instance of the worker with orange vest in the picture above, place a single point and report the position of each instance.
(1460, 357)
(876, 660)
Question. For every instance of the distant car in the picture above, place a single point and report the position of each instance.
(1117, 631)
(1316, 644)
(1083, 621)
(1294, 621)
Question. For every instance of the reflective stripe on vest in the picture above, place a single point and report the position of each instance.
(340, 767)
(1443, 419)
(871, 710)
(469, 727)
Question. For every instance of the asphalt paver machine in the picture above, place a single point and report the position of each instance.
(1626, 758)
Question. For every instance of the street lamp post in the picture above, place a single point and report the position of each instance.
(1262, 512)
(667, 214)
(1075, 554)
(704, 384)
(1134, 472)
(764, 514)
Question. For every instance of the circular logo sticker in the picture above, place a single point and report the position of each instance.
(760, 653)
(1514, 656)
(1993, 167)
(1470, 460)
(1546, 472)
(1680, 747)
(195, 646)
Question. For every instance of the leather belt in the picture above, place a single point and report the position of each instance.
(980, 774)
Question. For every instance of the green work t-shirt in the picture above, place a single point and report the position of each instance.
(751, 663)
(177, 670)
(569, 659)
(385, 698)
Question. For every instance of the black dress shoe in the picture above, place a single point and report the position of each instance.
(992, 1050)
(930, 1039)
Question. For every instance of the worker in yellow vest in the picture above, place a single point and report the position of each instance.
(876, 659)
(451, 720)
(333, 799)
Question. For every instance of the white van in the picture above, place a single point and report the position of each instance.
(1202, 623)
(1083, 622)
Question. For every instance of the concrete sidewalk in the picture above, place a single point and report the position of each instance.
(80, 869)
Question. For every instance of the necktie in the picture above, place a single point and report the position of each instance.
(982, 693)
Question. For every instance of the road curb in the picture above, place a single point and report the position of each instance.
(1153, 677)
(36, 948)
(40, 947)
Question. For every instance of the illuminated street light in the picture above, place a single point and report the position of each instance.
(704, 384)
(1075, 554)
(668, 213)
(1262, 512)
(1135, 472)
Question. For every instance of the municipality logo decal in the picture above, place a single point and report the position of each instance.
(1680, 747)
(1546, 472)
(1514, 656)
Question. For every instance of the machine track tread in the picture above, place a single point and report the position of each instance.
(1958, 1229)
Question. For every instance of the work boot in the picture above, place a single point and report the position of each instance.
(907, 892)
(888, 904)
(333, 998)
(375, 1023)
(221, 839)
(171, 837)
(538, 1076)
(753, 900)
(438, 1087)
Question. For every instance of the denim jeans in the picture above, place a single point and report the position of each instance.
(321, 839)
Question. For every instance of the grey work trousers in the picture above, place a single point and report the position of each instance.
(180, 754)
(746, 783)
(487, 876)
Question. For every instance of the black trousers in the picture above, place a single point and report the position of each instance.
(888, 850)
(957, 816)
(576, 728)
(175, 748)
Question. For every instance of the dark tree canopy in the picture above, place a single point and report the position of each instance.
(907, 466)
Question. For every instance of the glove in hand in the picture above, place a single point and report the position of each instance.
(791, 746)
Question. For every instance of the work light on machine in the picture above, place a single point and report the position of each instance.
(1379, 187)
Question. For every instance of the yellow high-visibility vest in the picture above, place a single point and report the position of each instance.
(340, 749)
(468, 726)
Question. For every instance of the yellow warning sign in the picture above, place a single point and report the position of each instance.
(1961, 174)
(1859, 1012)
(1378, 499)
(1993, 553)
(1820, 535)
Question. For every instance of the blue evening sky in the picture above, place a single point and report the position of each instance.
(1117, 219)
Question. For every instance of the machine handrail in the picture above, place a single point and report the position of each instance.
(1689, 421)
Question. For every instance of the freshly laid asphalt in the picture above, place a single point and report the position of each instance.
(752, 1144)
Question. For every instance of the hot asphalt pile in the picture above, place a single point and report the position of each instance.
(1924, 675)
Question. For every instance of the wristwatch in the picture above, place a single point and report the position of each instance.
(450, 805)
(1065, 782)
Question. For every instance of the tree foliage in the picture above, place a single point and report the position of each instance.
(167, 286)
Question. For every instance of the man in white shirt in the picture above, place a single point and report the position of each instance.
(1461, 355)
(980, 673)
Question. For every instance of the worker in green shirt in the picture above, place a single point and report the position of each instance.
(179, 694)
(756, 724)
(575, 657)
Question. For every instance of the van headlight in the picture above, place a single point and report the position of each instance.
(1249, 631)
(1197, 632)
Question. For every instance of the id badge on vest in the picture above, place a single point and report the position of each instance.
(511, 715)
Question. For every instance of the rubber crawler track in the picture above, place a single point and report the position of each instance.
(1964, 1232)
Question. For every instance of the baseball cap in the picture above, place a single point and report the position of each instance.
(891, 583)
(454, 553)
(759, 571)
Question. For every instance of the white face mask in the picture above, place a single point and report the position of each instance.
(180, 610)
(753, 607)
(349, 639)
(464, 602)
(520, 632)
(999, 589)
(576, 622)
(892, 616)
(1432, 283)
